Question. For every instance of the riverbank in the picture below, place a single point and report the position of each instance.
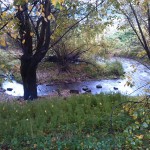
(135, 82)
(52, 74)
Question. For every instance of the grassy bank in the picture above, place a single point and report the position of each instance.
(77, 122)
(50, 73)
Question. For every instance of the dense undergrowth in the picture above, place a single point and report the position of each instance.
(77, 122)
(125, 43)
(79, 72)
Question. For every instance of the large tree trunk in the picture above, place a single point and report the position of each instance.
(28, 73)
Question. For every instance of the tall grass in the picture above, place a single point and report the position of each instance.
(107, 70)
(114, 68)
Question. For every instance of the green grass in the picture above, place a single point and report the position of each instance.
(77, 122)
(114, 69)
(101, 71)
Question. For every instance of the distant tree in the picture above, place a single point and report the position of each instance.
(137, 13)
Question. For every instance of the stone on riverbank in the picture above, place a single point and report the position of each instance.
(74, 91)
(2, 90)
(88, 91)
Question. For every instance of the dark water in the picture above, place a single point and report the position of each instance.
(135, 73)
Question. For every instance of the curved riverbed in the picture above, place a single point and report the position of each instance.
(135, 73)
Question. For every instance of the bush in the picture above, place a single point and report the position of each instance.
(114, 68)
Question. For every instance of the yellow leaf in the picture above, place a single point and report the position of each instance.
(30, 7)
(136, 122)
(134, 116)
(61, 1)
(54, 2)
(52, 37)
(20, 8)
(141, 54)
(2, 42)
(14, 36)
(16, 7)
(37, 13)
(43, 14)
(140, 136)
(4, 14)
(41, 6)
(51, 17)
(31, 33)
(9, 25)
(35, 145)
(2, 66)
(8, 43)
(45, 19)
(23, 41)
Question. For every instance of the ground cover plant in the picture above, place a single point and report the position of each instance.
(76, 122)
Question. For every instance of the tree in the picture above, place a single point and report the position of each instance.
(33, 26)
(137, 13)
(33, 31)
(80, 44)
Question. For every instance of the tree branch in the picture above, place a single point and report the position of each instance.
(72, 26)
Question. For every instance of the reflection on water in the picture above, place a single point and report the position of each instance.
(134, 72)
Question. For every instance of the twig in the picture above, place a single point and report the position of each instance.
(139, 88)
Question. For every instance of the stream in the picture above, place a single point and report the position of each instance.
(135, 73)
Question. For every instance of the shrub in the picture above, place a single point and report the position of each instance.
(114, 68)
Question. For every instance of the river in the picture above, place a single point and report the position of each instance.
(135, 73)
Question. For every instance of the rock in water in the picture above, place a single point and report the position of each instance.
(85, 88)
(88, 91)
(115, 88)
(9, 89)
(98, 86)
